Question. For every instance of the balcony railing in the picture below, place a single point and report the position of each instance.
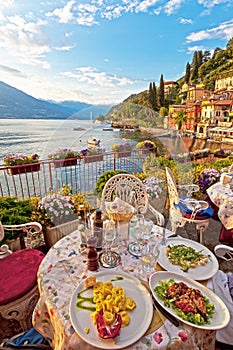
(82, 176)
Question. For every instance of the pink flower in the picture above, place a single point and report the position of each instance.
(183, 336)
(158, 337)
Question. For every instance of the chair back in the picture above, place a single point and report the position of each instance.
(172, 188)
(127, 187)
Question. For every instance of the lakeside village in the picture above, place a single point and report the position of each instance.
(208, 114)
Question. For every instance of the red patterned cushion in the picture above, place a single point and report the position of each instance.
(18, 274)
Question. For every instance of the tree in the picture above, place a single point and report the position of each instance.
(180, 118)
(154, 94)
(199, 58)
(206, 56)
(195, 68)
(161, 92)
(163, 111)
(187, 72)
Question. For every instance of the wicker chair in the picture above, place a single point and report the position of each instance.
(130, 189)
(18, 274)
(186, 209)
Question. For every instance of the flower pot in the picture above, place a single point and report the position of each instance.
(122, 154)
(24, 168)
(59, 163)
(220, 155)
(54, 234)
(92, 159)
(141, 152)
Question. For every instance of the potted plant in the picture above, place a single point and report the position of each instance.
(64, 157)
(221, 153)
(92, 154)
(122, 149)
(59, 212)
(146, 146)
(18, 163)
(207, 178)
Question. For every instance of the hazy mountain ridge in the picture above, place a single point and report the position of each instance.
(15, 104)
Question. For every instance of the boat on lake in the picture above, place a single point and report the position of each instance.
(79, 129)
(93, 142)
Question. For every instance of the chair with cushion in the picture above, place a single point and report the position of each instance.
(185, 209)
(18, 274)
(130, 189)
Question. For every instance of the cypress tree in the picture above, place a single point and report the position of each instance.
(155, 104)
(150, 97)
(187, 72)
(161, 92)
(195, 68)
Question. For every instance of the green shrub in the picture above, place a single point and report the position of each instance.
(104, 178)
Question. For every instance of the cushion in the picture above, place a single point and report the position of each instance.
(187, 213)
(226, 236)
(18, 274)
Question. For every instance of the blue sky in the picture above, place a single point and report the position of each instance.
(100, 52)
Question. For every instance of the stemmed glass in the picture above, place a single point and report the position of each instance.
(150, 255)
(135, 248)
(109, 258)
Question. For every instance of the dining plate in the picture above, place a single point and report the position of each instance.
(221, 316)
(198, 273)
(141, 316)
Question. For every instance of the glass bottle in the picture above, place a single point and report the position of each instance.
(92, 255)
(98, 228)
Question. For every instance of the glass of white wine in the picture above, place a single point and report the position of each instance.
(109, 258)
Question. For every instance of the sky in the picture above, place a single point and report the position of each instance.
(101, 52)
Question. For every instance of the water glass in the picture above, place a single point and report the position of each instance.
(149, 257)
(147, 227)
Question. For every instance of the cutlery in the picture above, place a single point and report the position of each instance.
(159, 308)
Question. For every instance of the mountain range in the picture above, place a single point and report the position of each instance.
(15, 104)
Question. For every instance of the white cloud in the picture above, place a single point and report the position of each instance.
(24, 40)
(92, 76)
(64, 14)
(86, 14)
(145, 5)
(224, 31)
(185, 21)
(212, 3)
(172, 6)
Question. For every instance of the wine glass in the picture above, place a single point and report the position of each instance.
(150, 255)
(109, 258)
(135, 248)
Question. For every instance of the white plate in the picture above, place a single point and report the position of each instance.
(141, 316)
(221, 315)
(198, 273)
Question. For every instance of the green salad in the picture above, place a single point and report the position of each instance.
(188, 303)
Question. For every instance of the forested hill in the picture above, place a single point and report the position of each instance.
(148, 107)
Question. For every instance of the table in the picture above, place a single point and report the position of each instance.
(59, 274)
(222, 196)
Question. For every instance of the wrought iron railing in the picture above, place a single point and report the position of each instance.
(28, 181)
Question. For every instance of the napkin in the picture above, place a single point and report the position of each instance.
(221, 288)
(121, 207)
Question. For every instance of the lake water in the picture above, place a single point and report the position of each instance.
(46, 136)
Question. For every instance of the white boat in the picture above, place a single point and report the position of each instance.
(93, 142)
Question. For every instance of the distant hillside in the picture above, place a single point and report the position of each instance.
(16, 104)
(142, 109)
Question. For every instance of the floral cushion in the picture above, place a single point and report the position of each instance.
(186, 212)
(18, 274)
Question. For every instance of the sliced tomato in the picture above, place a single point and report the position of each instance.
(108, 331)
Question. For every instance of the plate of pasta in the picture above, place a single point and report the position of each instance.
(189, 258)
(111, 310)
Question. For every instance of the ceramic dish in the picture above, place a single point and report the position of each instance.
(198, 273)
(141, 316)
(221, 316)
